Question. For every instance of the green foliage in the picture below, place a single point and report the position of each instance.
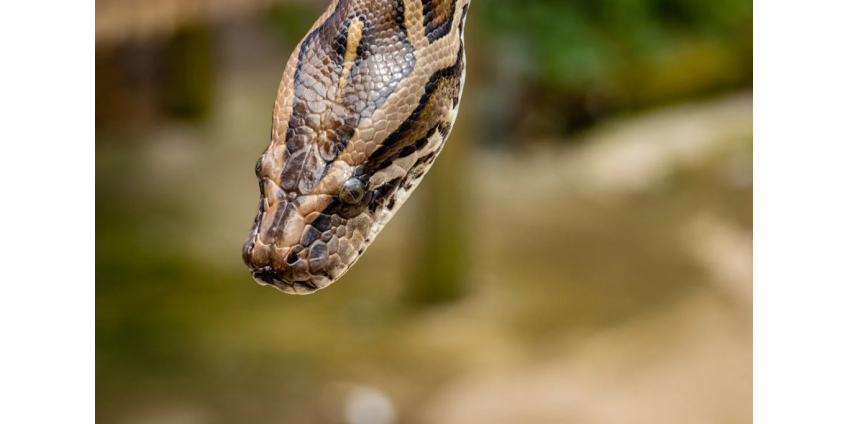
(579, 61)
(579, 41)
(293, 20)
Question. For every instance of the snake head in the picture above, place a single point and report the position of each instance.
(365, 105)
(301, 242)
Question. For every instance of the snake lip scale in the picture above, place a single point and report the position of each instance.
(366, 102)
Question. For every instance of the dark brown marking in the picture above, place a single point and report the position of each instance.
(382, 193)
(423, 121)
(438, 18)
(322, 223)
(445, 129)
(426, 159)
(421, 143)
(462, 21)
(326, 122)
(408, 150)
(309, 236)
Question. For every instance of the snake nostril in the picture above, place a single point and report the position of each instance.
(291, 258)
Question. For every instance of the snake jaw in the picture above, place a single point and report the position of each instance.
(365, 106)
(268, 277)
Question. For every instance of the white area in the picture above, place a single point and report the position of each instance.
(367, 405)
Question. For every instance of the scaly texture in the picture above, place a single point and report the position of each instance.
(366, 103)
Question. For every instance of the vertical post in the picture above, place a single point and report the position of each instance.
(441, 257)
(441, 250)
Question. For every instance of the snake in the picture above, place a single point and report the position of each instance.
(366, 103)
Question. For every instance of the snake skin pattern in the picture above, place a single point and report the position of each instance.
(365, 105)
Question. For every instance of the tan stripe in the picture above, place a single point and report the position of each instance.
(413, 18)
(354, 36)
(403, 101)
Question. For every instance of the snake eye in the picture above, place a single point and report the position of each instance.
(352, 191)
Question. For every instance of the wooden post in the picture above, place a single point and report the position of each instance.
(441, 252)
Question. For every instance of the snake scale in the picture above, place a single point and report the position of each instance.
(366, 102)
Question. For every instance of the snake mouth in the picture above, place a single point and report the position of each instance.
(266, 276)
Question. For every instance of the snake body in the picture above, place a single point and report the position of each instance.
(367, 100)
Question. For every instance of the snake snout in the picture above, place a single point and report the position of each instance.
(294, 276)
(299, 269)
(267, 276)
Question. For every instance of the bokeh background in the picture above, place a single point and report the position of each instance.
(580, 252)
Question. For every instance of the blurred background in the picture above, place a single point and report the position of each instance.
(580, 252)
